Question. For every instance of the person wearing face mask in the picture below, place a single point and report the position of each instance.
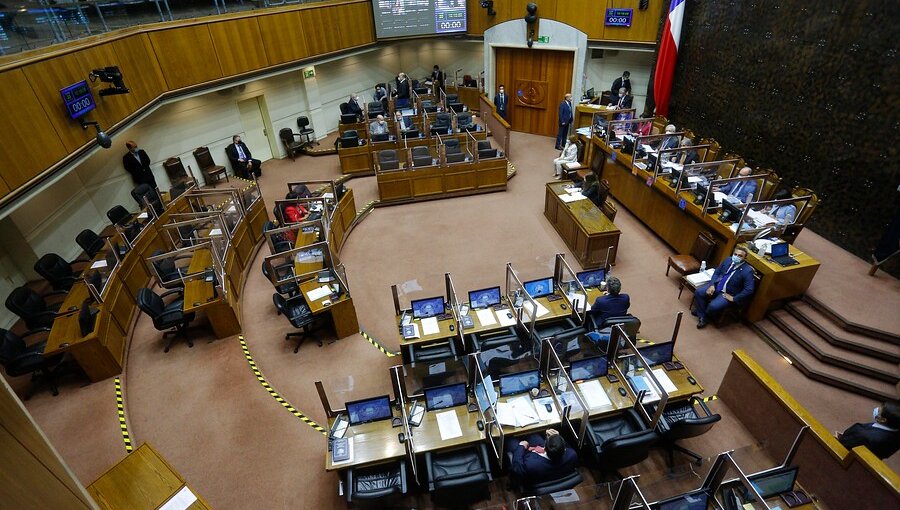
(882, 436)
(732, 284)
(137, 163)
(243, 163)
(501, 100)
(378, 126)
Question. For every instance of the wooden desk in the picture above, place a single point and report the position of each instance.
(455, 179)
(342, 311)
(142, 480)
(356, 160)
(554, 307)
(342, 218)
(585, 229)
(373, 443)
(427, 436)
(534, 427)
(779, 282)
(480, 328)
(200, 294)
(443, 335)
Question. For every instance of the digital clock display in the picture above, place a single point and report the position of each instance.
(78, 99)
(619, 17)
(449, 20)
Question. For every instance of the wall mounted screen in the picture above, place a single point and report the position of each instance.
(403, 18)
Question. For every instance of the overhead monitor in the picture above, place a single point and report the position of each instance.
(404, 18)
(657, 354)
(442, 397)
(588, 368)
(484, 298)
(369, 410)
(428, 307)
(539, 288)
(520, 382)
(592, 278)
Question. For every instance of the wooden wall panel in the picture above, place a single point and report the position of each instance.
(186, 55)
(140, 68)
(356, 24)
(551, 72)
(282, 37)
(239, 45)
(644, 24)
(320, 29)
(580, 13)
(110, 109)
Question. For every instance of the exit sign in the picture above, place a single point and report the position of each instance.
(619, 17)
(544, 39)
(309, 72)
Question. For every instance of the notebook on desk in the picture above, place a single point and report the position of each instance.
(781, 255)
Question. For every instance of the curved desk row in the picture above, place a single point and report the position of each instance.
(360, 160)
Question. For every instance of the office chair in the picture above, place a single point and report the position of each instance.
(412, 133)
(433, 352)
(288, 289)
(291, 145)
(142, 191)
(557, 327)
(682, 421)
(703, 249)
(90, 242)
(452, 98)
(375, 109)
(279, 243)
(169, 316)
(208, 166)
(387, 160)
(464, 122)
(175, 170)
(485, 150)
(455, 154)
(620, 441)
(376, 482)
(57, 271)
(306, 131)
(32, 308)
(428, 106)
(566, 342)
(421, 156)
(349, 139)
(298, 313)
(563, 482)
(168, 275)
(451, 143)
(118, 215)
(631, 325)
(20, 359)
(441, 124)
(492, 339)
(469, 468)
(381, 137)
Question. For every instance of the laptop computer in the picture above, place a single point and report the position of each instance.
(780, 255)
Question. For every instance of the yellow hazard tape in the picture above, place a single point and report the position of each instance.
(377, 345)
(278, 398)
(645, 341)
(710, 398)
(120, 409)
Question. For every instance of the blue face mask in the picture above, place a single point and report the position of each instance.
(736, 260)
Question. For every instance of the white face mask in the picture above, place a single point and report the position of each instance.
(875, 413)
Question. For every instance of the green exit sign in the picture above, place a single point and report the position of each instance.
(544, 39)
(309, 72)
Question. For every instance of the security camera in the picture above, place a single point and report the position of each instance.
(489, 5)
(110, 74)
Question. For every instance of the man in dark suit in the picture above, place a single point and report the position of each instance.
(732, 284)
(882, 436)
(537, 460)
(355, 107)
(501, 101)
(137, 163)
(437, 80)
(613, 304)
(241, 160)
(620, 82)
(624, 99)
(566, 115)
(402, 92)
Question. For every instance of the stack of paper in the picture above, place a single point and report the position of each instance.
(540, 404)
(182, 500)
(541, 311)
(98, 264)
(571, 197)
(664, 380)
(700, 278)
(506, 318)
(524, 411)
(486, 316)
(594, 395)
(448, 424)
(430, 326)
(319, 293)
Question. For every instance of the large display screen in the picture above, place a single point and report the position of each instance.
(402, 18)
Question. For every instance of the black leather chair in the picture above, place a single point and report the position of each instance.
(286, 289)
(546, 330)
(433, 353)
(455, 154)
(429, 106)
(90, 242)
(306, 131)
(412, 133)
(682, 421)
(630, 324)
(167, 272)
(485, 150)
(118, 215)
(566, 342)
(375, 109)
(492, 339)
(564, 482)
(421, 156)
(495, 359)
(449, 472)
(349, 139)
(464, 122)
(620, 441)
(441, 124)
(57, 271)
(291, 145)
(166, 316)
(376, 482)
(387, 160)
(32, 308)
(20, 359)
(451, 142)
(279, 243)
(145, 191)
(301, 317)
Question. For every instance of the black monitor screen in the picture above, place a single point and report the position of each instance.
(774, 482)
(369, 410)
(520, 382)
(693, 501)
(700, 191)
(592, 278)
(428, 307)
(588, 368)
(730, 212)
(441, 397)
(657, 354)
(484, 298)
(539, 288)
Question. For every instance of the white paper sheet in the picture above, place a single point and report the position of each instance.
(430, 326)
(572, 165)
(541, 311)
(694, 179)
(98, 264)
(448, 424)
(215, 232)
(540, 404)
(486, 316)
(594, 395)
(143, 216)
(581, 298)
(180, 501)
(664, 380)
(319, 293)
(572, 197)
(506, 317)
(505, 414)
(524, 410)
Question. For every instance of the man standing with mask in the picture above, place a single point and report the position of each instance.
(732, 284)
(500, 101)
(565, 118)
(137, 163)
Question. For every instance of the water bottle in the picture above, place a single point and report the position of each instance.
(703, 266)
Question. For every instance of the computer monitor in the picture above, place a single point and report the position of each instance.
(428, 307)
(774, 482)
(780, 249)
(539, 288)
(369, 410)
(700, 192)
(657, 354)
(689, 501)
(484, 298)
(588, 368)
(442, 397)
(380, 137)
(592, 278)
(589, 94)
(730, 212)
(520, 382)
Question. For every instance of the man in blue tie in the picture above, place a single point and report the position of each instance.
(500, 101)
(242, 161)
(741, 190)
(732, 284)
(565, 118)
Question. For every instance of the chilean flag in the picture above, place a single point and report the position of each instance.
(668, 54)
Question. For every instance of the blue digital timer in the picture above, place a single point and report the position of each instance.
(78, 99)
(619, 17)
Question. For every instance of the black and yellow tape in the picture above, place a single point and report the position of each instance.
(120, 409)
(377, 345)
(278, 398)
(645, 341)
(710, 398)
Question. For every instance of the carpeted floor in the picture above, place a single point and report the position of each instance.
(214, 422)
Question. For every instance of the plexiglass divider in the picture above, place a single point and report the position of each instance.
(640, 377)
(670, 167)
(618, 131)
(454, 303)
(516, 295)
(646, 149)
(629, 496)
(486, 399)
(762, 218)
(726, 480)
(129, 232)
(406, 435)
(567, 282)
(567, 396)
(302, 209)
(295, 235)
(187, 229)
(696, 177)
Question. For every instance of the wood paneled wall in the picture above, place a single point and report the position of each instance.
(155, 60)
(548, 73)
(585, 15)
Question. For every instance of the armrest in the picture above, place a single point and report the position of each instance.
(697, 401)
(163, 315)
(429, 468)
(34, 332)
(484, 459)
(178, 291)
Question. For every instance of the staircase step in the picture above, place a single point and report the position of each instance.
(837, 318)
(830, 354)
(826, 327)
(818, 371)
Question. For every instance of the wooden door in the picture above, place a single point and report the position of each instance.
(537, 80)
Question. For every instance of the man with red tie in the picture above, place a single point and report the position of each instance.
(732, 284)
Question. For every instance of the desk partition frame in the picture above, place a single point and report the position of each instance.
(630, 362)
(139, 223)
(627, 493)
(745, 230)
(654, 142)
(567, 395)
(517, 297)
(453, 300)
(197, 222)
(708, 172)
(493, 431)
(218, 267)
(717, 479)
(407, 438)
(665, 155)
(294, 231)
(566, 280)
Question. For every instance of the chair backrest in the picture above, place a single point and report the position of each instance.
(90, 242)
(464, 119)
(375, 106)
(452, 142)
(143, 190)
(345, 108)
(53, 268)
(703, 247)
(484, 144)
(442, 119)
(11, 346)
(387, 160)
(150, 303)
(626, 450)
(691, 427)
(348, 118)
(27, 304)
(204, 158)
(421, 160)
(302, 122)
(630, 324)
(452, 98)
(175, 169)
(349, 139)
(286, 135)
(455, 157)
(421, 151)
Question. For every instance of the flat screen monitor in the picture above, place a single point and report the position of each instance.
(658, 354)
(369, 410)
(589, 94)
(401, 18)
(484, 298)
(588, 368)
(428, 307)
(592, 278)
(774, 482)
(520, 382)
(381, 137)
(442, 397)
(539, 288)
(691, 501)
(730, 212)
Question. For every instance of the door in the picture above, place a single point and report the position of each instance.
(255, 127)
(537, 81)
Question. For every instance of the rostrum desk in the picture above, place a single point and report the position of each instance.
(586, 230)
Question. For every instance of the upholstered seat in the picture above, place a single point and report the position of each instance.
(702, 250)
(376, 482)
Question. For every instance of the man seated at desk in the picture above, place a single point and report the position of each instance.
(405, 123)
(612, 304)
(882, 436)
(741, 190)
(783, 214)
(687, 156)
(537, 460)
(732, 284)
(378, 126)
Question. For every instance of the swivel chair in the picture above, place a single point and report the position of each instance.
(421, 156)
(433, 352)
(289, 288)
(464, 122)
(441, 124)
(387, 160)
(56, 271)
(451, 472)
(32, 308)
(682, 421)
(455, 154)
(375, 109)
(299, 314)
(90, 242)
(485, 150)
(165, 316)
(376, 482)
(620, 441)
(20, 359)
(492, 339)
(168, 274)
(145, 191)
(349, 139)
(279, 243)
(118, 215)
(563, 482)
(306, 131)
